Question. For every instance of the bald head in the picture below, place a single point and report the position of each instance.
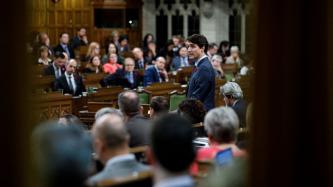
(129, 103)
(110, 129)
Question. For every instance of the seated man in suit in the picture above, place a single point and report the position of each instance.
(181, 60)
(126, 77)
(156, 73)
(70, 82)
(57, 67)
(64, 45)
(80, 39)
(137, 125)
(233, 97)
(172, 151)
(140, 61)
(111, 147)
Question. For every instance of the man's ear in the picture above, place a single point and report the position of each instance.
(150, 156)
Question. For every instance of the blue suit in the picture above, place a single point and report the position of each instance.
(202, 84)
(151, 76)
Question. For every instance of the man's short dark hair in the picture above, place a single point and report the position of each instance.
(59, 54)
(171, 141)
(193, 110)
(160, 104)
(200, 40)
(60, 35)
(63, 155)
(129, 103)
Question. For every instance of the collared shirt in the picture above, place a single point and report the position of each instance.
(119, 158)
(129, 77)
(183, 180)
(57, 71)
(183, 61)
(65, 47)
(71, 78)
(158, 73)
(197, 62)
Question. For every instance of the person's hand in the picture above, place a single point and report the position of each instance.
(85, 39)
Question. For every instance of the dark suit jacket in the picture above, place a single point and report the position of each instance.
(139, 128)
(77, 42)
(240, 109)
(202, 84)
(49, 70)
(145, 62)
(119, 79)
(61, 83)
(71, 51)
(151, 76)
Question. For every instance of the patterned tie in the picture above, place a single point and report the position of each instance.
(129, 76)
(71, 84)
(67, 51)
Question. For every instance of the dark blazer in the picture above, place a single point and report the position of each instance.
(176, 62)
(151, 76)
(145, 63)
(70, 49)
(119, 79)
(240, 109)
(138, 128)
(202, 84)
(49, 70)
(61, 83)
(77, 42)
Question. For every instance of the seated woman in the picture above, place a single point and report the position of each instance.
(221, 125)
(94, 66)
(44, 56)
(93, 50)
(216, 62)
(112, 48)
(112, 66)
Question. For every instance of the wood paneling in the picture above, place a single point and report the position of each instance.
(70, 15)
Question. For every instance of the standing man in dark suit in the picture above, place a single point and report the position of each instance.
(69, 82)
(80, 39)
(64, 45)
(57, 67)
(202, 83)
(126, 77)
(156, 73)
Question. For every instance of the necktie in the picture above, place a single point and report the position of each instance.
(70, 84)
(129, 76)
(67, 51)
(56, 71)
(141, 64)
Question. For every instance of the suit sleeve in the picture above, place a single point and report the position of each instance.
(148, 77)
(202, 87)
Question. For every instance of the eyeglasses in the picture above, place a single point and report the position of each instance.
(129, 64)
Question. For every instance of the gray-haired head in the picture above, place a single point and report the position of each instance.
(222, 124)
(234, 49)
(231, 89)
(217, 57)
(108, 110)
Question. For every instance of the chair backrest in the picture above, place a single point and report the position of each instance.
(142, 179)
(109, 94)
(175, 99)
(144, 96)
(95, 106)
(92, 80)
(233, 68)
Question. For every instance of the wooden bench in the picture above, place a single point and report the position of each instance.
(45, 83)
(52, 105)
(163, 89)
(93, 80)
(109, 94)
